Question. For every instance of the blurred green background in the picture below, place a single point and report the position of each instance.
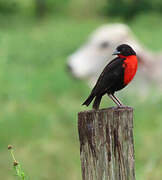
(38, 98)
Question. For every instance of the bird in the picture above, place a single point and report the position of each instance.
(117, 74)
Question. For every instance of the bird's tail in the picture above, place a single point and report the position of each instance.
(88, 100)
(96, 103)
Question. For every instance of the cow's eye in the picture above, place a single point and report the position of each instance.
(104, 45)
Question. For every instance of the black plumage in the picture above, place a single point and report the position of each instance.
(110, 80)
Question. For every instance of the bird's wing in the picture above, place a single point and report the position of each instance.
(111, 74)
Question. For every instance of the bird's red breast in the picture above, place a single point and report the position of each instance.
(130, 68)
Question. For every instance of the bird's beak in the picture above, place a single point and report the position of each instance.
(116, 52)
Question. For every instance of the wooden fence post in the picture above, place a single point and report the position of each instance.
(106, 144)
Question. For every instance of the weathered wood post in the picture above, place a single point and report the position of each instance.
(106, 144)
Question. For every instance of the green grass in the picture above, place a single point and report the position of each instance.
(39, 100)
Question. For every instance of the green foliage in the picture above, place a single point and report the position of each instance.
(32, 6)
(125, 9)
(8, 7)
(57, 6)
(128, 9)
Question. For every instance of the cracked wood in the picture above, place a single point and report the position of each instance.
(106, 144)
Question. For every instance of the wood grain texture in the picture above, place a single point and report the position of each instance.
(106, 144)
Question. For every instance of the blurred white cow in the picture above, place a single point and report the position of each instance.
(89, 60)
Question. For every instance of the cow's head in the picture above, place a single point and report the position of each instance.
(89, 60)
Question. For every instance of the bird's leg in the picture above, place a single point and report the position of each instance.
(121, 104)
(115, 99)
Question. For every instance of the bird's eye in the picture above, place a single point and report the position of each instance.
(104, 45)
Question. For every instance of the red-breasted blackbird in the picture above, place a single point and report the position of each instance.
(115, 76)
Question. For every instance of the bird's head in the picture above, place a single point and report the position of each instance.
(124, 50)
